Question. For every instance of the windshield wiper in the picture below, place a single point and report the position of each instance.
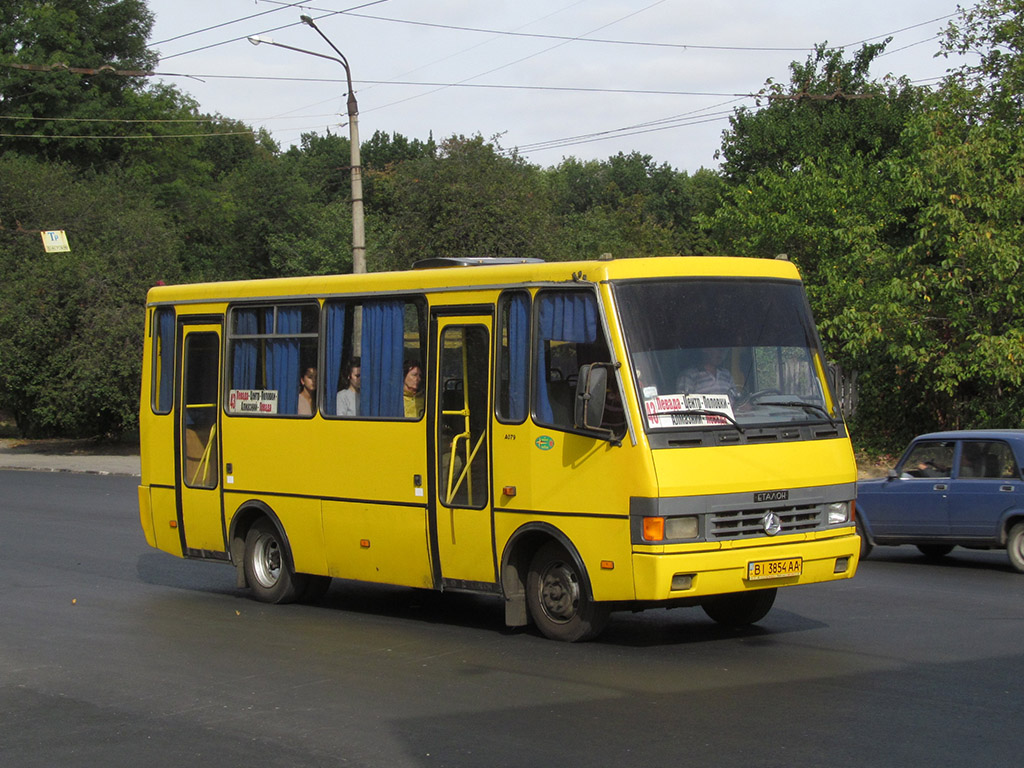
(799, 404)
(704, 412)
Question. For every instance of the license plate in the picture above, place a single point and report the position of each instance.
(775, 569)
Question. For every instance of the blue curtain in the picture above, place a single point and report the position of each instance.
(283, 360)
(165, 337)
(565, 316)
(243, 374)
(383, 345)
(518, 355)
(335, 345)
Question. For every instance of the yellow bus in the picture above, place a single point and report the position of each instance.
(574, 438)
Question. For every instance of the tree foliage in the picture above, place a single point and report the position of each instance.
(903, 208)
(904, 212)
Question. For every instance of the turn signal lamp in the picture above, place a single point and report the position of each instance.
(654, 528)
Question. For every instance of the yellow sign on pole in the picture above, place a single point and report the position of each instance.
(55, 241)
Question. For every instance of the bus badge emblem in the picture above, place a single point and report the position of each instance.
(545, 443)
(772, 523)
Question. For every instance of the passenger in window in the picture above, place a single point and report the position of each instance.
(412, 389)
(708, 378)
(348, 398)
(307, 392)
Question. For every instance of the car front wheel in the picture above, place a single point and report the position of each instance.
(1015, 547)
(865, 543)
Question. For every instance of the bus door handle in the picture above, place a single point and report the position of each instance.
(940, 487)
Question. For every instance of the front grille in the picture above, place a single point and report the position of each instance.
(747, 523)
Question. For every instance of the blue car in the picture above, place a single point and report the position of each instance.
(950, 489)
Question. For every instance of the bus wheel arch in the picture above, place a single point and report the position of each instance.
(263, 556)
(544, 581)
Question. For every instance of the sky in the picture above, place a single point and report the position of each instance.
(550, 78)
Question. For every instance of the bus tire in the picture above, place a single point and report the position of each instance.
(740, 609)
(558, 600)
(266, 566)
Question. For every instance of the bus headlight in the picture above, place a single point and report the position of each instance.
(838, 512)
(681, 528)
(670, 528)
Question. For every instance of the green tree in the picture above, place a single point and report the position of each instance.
(39, 42)
(911, 245)
(629, 206)
(467, 201)
(71, 323)
(829, 103)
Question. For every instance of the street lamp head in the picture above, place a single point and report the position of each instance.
(307, 20)
(257, 39)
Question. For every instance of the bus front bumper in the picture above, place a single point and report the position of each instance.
(671, 576)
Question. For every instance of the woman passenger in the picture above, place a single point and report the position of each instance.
(307, 392)
(412, 389)
(348, 398)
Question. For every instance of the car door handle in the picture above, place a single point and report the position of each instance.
(940, 487)
(1006, 488)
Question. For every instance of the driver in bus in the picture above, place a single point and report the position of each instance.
(708, 378)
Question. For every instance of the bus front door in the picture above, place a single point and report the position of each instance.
(198, 438)
(462, 520)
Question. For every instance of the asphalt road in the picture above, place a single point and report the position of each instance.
(114, 654)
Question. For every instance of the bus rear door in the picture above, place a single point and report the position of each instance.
(198, 442)
(461, 514)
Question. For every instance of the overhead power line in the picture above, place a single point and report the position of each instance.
(606, 41)
(125, 137)
(263, 32)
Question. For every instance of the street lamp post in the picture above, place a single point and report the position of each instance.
(358, 229)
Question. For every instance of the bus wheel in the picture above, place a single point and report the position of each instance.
(266, 566)
(740, 609)
(558, 601)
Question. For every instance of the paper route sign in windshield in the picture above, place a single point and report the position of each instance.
(672, 410)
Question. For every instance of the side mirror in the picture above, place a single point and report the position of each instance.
(591, 398)
(591, 394)
(892, 474)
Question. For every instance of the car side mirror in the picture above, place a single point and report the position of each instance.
(892, 474)
(591, 398)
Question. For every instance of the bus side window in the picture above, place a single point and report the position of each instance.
(271, 347)
(512, 382)
(163, 360)
(568, 335)
(381, 335)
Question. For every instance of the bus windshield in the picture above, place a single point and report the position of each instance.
(721, 352)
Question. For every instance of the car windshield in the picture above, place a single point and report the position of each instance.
(723, 351)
